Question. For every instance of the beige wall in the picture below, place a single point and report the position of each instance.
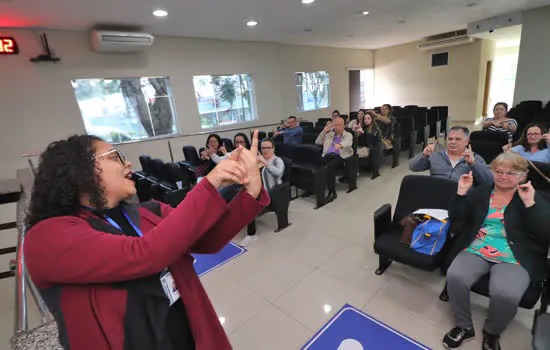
(403, 76)
(39, 106)
(533, 76)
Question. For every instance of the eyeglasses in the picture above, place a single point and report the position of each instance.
(508, 173)
(266, 148)
(534, 134)
(117, 155)
(240, 142)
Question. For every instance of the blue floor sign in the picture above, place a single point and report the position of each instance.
(352, 329)
(204, 263)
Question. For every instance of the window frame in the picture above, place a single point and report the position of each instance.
(170, 96)
(303, 110)
(253, 107)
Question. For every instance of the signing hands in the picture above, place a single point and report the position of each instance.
(429, 149)
(327, 128)
(469, 156)
(465, 183)
(508, 147)
(546, 138)
(527, 194)
(241, 168)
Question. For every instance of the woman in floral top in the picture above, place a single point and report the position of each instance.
(504, 233)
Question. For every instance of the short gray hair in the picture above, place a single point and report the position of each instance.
(461, 128)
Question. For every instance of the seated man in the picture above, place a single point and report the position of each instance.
(454, 162)
(337, 146)
(291, 131)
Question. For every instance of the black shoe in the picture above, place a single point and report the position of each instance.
(490, 342)
(331, 197)
(457, 335)
(343, 180)
(306, 194)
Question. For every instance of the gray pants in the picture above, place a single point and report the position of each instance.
(508, 283)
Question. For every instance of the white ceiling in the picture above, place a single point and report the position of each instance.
(335, 23)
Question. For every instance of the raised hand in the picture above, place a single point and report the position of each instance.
(223, 149)
(508, 147)
(429, 149)
(249, 160)
(328, 127)
(527, 194)
(228, 172)
(338, 146)
(469, 156)
(465, 182)
(546, 137)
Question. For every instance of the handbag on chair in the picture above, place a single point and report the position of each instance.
(430, 235)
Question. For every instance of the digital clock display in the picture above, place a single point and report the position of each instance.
(8, 46)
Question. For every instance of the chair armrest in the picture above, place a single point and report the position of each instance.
(174, 198)
(382, 220)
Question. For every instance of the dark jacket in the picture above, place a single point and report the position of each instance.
(79, 268)
(527, 229)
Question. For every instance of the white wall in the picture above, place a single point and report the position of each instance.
(403, 76)
(39, 106)
(533, 76)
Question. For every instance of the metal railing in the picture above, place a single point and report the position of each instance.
(23, 282)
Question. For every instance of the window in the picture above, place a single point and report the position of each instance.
(123, 110)
(440, 59)
(224, 99)
(313, 90)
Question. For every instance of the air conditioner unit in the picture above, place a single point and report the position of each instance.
(445, 40)
(110, 41)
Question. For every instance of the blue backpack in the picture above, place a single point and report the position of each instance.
(430, 236)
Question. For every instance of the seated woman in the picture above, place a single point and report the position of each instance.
(272, 169)
(239, 139)
(388, 125)
(533, 144)
(213, 145)
(367, 126)
(504, 234)
(360, 115)
(500, 122)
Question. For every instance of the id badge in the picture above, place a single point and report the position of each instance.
(169, 286)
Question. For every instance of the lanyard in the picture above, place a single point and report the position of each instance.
(113, 222)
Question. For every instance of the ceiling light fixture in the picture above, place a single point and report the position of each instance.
(365, 13)
(160, 13)
(307, 2)
(252, 23)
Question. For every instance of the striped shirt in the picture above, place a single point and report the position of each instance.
(502, 129)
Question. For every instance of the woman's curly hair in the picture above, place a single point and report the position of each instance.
(67, 170)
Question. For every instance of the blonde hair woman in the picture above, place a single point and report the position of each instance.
(504, 233)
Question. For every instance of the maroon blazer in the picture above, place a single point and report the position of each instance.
(78, 264)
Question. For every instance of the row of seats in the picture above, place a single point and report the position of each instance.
(527, 112)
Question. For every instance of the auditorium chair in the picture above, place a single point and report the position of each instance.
(421, 126)
(280, 198)
(352, 116)
(443, 116)
(308, 173)
(172, 186)
(541, 334)
(540, 182)
(434, 122)
(144, 162)
(306, 125)
(416, 192)
(488, 144)
(407, 132)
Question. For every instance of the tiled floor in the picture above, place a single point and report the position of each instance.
(278, 294)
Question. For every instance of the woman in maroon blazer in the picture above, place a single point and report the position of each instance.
(117, 276)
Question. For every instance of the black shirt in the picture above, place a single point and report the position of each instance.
(176, 335)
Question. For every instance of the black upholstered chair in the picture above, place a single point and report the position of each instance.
(539, 181)
(173, 185)
(416, 192)
(308, 173)
(306, 125)
(488, 144)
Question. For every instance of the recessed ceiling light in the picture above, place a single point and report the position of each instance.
(252, 23)
(365, 13)
(307, 2)
(160, 13)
